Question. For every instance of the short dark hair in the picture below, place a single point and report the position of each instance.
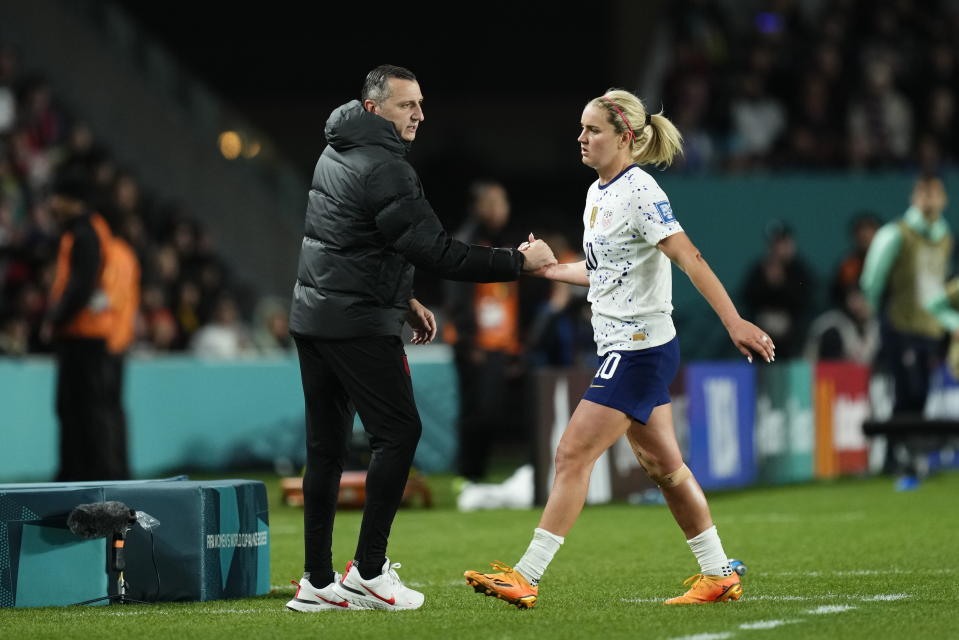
(478, 188)
(72, 182)
(377, 87)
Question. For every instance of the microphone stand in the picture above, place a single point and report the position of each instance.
(117, 564)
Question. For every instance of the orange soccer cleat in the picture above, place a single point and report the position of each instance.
(510, 585)
(710, 589)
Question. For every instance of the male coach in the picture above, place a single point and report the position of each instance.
(368, 224)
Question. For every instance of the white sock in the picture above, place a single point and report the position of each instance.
(709, 552)
(538, 555)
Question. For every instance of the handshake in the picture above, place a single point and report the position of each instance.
(538, 255)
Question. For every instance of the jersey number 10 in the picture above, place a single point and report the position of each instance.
(591, 261)
(609, 366)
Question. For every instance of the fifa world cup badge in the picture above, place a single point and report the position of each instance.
(592, 217)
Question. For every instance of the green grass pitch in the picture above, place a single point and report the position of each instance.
(850, 559)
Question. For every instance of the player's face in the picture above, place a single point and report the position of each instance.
(404, 107)
(599, 144)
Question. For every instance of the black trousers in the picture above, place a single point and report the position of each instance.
(484, 395)
(92, 445)
(368, 375)
(116, 367)
(911, 359)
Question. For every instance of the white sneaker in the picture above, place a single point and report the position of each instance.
(385, 591)
(309, 599)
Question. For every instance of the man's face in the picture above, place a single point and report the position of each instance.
(492, 207)
(930, 197)
(63, 208)
(404, 107)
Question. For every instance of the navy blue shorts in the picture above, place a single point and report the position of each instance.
(635, 382)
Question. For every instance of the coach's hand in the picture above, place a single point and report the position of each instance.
(538, 254)
(422, 322)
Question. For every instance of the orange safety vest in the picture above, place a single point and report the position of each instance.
(497, 316)
(111, 314)
(122, 284)
(96, 319)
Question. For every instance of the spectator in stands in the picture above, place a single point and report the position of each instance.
(14, 336)
(848, 332)
(778, 291)
(815, 141)
(36, 141)
(186, 311)
(862, 230)
(225, 337)
(8, 99)
(700, 151)
(758, 120)
(880, 121)
(272, 333)
(940, 124)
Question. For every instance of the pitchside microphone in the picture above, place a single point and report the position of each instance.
(101, 519)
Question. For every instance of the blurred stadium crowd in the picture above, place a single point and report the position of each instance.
(817, 84)
(190, 301)
(842, 84)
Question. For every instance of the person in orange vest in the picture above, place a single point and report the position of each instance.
(484, 331)
(122, 280)
(80, 321)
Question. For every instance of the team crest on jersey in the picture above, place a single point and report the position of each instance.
(592, 217)
(607, 220)
(665, 211)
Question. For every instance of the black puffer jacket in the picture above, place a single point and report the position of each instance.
(367, 225)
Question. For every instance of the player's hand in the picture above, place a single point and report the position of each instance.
(538, 255)
(422, 322)
(750, 339)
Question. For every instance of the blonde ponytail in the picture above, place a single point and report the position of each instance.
(657, 142)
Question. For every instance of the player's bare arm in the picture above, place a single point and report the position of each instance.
(747, 337)
(569, 272)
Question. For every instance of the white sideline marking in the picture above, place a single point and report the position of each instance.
(879, 597)
(206, 610)
(860, 572)
(830, 608)
(706, 636)
(135, 613)
(886, 597)
(765, 624)
(642, 599)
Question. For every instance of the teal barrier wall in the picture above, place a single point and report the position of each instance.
(188, 413)
(784, 422)
(725, 217)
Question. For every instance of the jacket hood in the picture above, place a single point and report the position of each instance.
(350, 125)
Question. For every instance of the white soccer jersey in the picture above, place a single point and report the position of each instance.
(630, 280)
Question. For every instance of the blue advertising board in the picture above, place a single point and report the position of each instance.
(722, 407)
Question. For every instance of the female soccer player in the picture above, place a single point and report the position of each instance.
(630, 237)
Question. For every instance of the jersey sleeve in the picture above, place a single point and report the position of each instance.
(651, 215)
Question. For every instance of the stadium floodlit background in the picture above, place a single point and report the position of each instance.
(202, 124)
